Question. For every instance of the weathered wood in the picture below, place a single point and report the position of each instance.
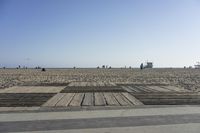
(159, 89)
(55, 99)
(71, 84)
(135, 89)
(132, 99)
(145, 89)
(121, 99)
(151, 89)
(77, 99)
(23, 99)
(99, 99)
(82, 83)
(110, 99)
(78, 84)
(32, 89)
(174, 88)
(66, 99)
(166, 94)
(88, 99)
(87, 89)
(141, 89)
(127, 89)
(171, 101)
(163, 96)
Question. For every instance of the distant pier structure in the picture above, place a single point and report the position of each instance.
(197, 66)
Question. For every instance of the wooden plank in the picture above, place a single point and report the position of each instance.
(151, 89)
(32, 89)
(172, 93)
(134, 88)
(55, 99)
(121, 99)
(78, 84)
(71, 84)
(66, 99)
(82, 83)
(99, 99)
(88, 99)
(174, 88)
(92, 89)
(77, 99)
(163, 96)
(145, 89)
(171, 101)
(110, 99)
(132, 99)
(94, 84)
(127, 89)
(142, 89)
(159, 89)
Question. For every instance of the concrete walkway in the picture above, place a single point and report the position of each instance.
(178, 128)
(141, 120)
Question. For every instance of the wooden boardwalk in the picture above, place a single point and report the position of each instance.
(151, 88)
(24, 99)
(91, 94)
(92, 99)
(83, 89)
(33, 89)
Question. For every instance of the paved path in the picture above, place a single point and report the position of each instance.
(141, 120)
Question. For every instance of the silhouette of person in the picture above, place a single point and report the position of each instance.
(141, 66)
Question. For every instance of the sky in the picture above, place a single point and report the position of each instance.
(91, 33)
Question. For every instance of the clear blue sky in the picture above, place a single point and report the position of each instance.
(90, 33)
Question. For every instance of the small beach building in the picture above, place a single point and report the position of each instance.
(149, 65)
(197, 66)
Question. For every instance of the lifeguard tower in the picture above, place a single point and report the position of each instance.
(148, 65)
